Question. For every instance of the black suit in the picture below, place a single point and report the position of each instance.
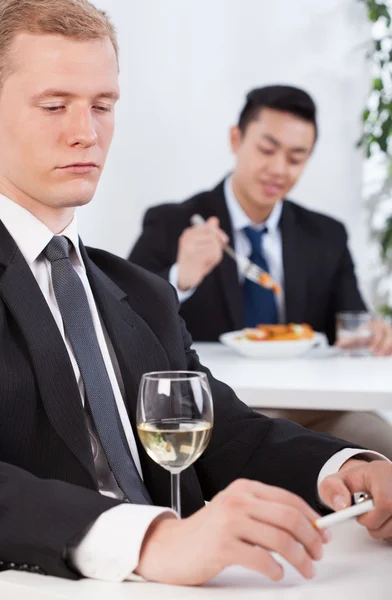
(318, 269)
(48, 486)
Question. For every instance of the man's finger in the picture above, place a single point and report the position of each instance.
(384, 346)
(334, 492)
(271, 525)
(379, 330)
(277, 540)
(222, 236)
(281, 496)
(214, 221)
(382, 533)
(256, 559)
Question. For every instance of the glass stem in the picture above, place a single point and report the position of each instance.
(175, 492)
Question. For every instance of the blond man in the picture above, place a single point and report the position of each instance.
(78, 327)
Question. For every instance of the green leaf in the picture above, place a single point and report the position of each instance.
(377, 84)
(385, 310)
(373, 15)
(386, 239)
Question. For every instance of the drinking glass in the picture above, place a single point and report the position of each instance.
(353, 334)
(174, 420)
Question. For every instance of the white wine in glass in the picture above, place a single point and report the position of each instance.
(174, 421)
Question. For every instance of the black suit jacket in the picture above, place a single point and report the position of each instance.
(48, 486)
(318, 269)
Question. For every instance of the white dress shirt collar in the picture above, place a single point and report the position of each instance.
(30, 234)
(240, 220)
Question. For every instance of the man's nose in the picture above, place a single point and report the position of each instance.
(278, 165)
(82, 129)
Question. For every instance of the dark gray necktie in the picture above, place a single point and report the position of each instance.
(79, 330)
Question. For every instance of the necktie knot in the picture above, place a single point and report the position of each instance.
(254, 236)
(57, 249)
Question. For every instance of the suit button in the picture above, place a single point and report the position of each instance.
(11, 565)
(25, 567)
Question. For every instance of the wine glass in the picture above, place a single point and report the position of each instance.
(174, 421)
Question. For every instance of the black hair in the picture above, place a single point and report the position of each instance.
(284, 98)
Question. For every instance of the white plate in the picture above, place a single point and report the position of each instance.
(288, 349)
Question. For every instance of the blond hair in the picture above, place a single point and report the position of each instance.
(75, 19)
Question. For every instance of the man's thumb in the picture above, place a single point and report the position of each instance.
(214, 222)
(334, 493)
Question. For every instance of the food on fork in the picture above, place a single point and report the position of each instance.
(246, 267)
(278, 333)
(266, 281)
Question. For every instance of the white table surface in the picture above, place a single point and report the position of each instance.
(354, 567)
(332, 382)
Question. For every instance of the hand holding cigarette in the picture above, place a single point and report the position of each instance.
(355, 475)
(344, 515)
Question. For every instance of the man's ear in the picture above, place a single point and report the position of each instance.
(235, 138)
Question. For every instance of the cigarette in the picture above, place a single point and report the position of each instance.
(344, 515)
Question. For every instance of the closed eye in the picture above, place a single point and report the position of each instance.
(52, 109)
(265, 151)
(56, 109)
(103, 108)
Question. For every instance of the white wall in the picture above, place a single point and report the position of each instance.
(185, 69)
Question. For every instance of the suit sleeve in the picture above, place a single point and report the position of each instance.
(346, 294)
(41, 518)
(154, 248)
(246, 444)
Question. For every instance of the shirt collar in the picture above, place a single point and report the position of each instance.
(240, 220)
(30, 234)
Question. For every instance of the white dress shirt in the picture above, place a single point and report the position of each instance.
(110, 549)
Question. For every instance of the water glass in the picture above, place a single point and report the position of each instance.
(353, 333)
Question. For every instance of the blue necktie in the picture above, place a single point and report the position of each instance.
(79, 328)
(259, 303)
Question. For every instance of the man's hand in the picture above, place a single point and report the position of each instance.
(360, 476)
(200, 249)
(381, 344)
(380, 341)
(240, 526)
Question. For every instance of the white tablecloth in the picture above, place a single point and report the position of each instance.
(355, 567)
(319, 383)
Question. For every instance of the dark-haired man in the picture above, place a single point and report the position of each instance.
(306, 252)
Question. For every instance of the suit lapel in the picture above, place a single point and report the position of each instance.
(295, 260)
(128, 333)
(138, 351)
(226, 272)
(52, 366)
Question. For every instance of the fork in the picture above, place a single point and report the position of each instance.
(246, 267)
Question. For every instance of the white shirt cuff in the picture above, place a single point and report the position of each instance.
(173, 280)
(111, 548)
(337, 461)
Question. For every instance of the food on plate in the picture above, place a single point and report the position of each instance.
(253, 334)
(278, 333)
